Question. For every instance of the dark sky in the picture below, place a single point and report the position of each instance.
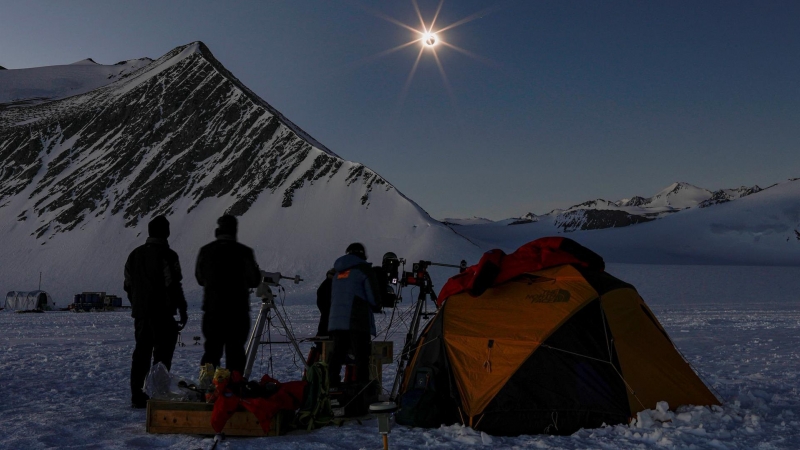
(559, 103)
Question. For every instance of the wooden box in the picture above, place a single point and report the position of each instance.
(165, 417)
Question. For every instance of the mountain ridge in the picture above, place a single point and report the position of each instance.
(181, 136)
(600, 213)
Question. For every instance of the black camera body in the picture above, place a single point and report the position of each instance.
(418, 275)
(388, 279)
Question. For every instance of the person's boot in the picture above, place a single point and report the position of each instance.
(221, 378)
(139, 400)
(206, 378)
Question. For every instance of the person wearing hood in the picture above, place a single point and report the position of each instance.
(355, 296)
(227, 270)
(153, 284)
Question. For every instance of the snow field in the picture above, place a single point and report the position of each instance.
(65, 377)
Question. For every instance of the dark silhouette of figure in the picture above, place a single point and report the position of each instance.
(153, 284)
(324, 303)
(227, 270)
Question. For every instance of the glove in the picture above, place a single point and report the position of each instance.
(183, 320)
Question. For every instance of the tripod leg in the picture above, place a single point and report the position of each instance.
(255, 339)
(411, 338)
(292, 339)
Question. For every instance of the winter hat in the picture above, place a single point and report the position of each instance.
(358, 249)
(158, 227)
(227, 224)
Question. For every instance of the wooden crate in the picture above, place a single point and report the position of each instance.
(165, 417)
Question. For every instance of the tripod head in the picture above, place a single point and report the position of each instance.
(270, 279)
(419, 275)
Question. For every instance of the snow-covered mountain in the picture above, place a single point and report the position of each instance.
(599, 213)
(475, 220)
(82, 174)
(761, 228)
(81, 177)
(42, 84)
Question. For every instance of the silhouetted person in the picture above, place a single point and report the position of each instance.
(153, 284)
(354, 297)
(227, 270)
(324, 303)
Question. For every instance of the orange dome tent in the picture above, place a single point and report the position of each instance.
(543, 340)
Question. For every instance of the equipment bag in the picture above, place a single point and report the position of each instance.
(316, 411)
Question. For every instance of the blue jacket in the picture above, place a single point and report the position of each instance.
(354, 295)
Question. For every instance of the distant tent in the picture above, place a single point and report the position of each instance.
(29, 301)
(543, 340)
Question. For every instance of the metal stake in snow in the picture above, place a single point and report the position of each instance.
(383, 411)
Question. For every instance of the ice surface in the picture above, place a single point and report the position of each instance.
(65, 375)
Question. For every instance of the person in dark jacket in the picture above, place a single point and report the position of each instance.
(354, 298)
(324, 302)
(153, 284)
(227, 270)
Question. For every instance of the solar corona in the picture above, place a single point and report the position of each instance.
(430, 38)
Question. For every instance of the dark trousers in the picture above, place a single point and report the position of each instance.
(345, 341)
(226, 332)
(155, 341)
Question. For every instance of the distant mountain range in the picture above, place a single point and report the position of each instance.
(91, 152)
(599, 213)
(682, 224)
(43, 84)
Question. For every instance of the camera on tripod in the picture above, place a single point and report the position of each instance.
(419, 273)
(270, 279)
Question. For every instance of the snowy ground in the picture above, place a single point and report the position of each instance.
(64, 376)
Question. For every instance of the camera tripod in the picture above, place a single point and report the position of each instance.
(264, 320)
(420, 278)
(420, 311)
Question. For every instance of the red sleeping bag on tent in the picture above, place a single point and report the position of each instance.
(496, 267)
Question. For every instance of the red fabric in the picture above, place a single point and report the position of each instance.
(288, 397)
(224, 406)
(531, 257)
